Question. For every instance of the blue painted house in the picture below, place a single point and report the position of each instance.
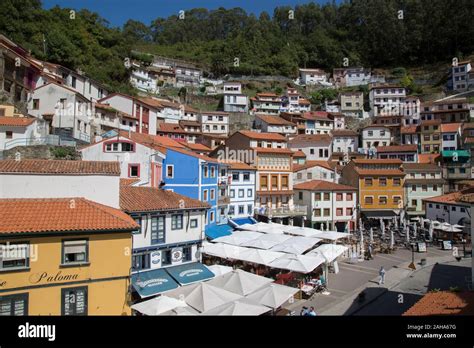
(193, 175)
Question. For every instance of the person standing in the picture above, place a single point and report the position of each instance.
(311, 312)
(382, 275)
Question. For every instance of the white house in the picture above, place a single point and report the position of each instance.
(266, 103)
(171, 232)
(352, 103)
(144, 110)
(293, 102)
(357, 76)
(20, 131)
(106, 118)
(411, 111)
(314, 170)
(214, 122)
(460, 74)
(275, 124)
(450, 133)
(449, 208)
(318, 122)
(312, 76)
(234, 100)
(375, 136)
(314, 146)
(141, 79)
(64, 108)
(386, 100)
(241, 179)
(32, 178)
(344, 140)
(139, 156)
(330, 206)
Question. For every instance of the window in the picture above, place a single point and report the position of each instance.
(246, 176)
(213, 172)
(14, 256)
(206, 171)
(36, 104)
(177, 221)
(140, 261)
(327, 196)
(235, 176)
(249, 193)
(241, 193)
(349, 197)
(396, 182)
(8, 134)
(73, 82)
(133, 170)
(369, 200)
(232, 193)
(338, 196)
(383, 200)
(368, 182)
(339, 212)
(424, 188)
(299, 176)
(166, 257)
(383, 181)
(274, 182)
(453, 208)
(211, 216)
(317, 212)
(204, 195)
(187, 255)
(158, 229)
(127, 147)
(317, 196)
(309, 176)
(14, 305)
(300, 195)
(264, 183)
(435, 188)
(326, 212)
(213, 194)
(75, 251)
(396, 199)
(463, 210)
(169, 171)
(74, 301)
(349, 211)
(249, 209)
(284, 182)
(241, 209)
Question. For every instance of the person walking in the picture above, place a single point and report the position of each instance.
(382, 275)
(304, 311)
(311, 312)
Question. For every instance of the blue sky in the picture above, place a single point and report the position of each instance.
(117, 12)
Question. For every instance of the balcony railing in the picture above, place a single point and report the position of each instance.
(295, 210)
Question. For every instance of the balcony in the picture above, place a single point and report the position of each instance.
(283, 211)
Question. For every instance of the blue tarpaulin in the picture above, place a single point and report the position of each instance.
(149, 283)
(190, 273)
(216, 231)
(243, 221)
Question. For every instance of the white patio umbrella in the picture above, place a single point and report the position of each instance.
(219, 270)
(266, 241)
(181, 311)
(382, 227)
(450, 229)
(158, 305)
(392, 240)
(203, 296)
(395, 221)
(330, 252)
(458, 226)
(361, 238)
(222, 250)
(415, 230)
(273, 296)
(242, 307)
(296, 245)
(417, 219)
(407, 231)
(430, 229)
(240, 282)
(302, 231)
(259, 256)
(361, 225)
(371, 235)
(238, 237)
(298, 263)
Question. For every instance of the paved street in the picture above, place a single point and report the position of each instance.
(354, 278)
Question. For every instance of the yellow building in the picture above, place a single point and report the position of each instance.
(380, 186)
(64, 256)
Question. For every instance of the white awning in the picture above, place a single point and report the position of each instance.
(273, 296)
(240, 282)
(158, 305)
(239, 307)
(296, 245)
(238, 237)
(259, 256)
(333, 235)
(302, 231)
(266, 241)
(298, 263)
(329, 251)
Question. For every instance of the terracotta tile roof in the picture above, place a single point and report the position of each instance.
(142, 199)
(60, 167)
(151, 102)
(153, 141)
(409, 130)
(385, 86)
(377, 161)
(310, 164)
(321, 185)
(469, 125)
(303, 101)
(170, 128)
(377, 126)
(267, 95)
(450, 127)
(128, 182)
(188, 108)
(66, 215)
(443, 303)
(197, 147)
(275, 120)
(316, 115)
(311, 138)
(16, 121)
(397, 148)
(319, 71)
(237, 165)
(343, 133)
(424, 181)
(271, 150)
(263, 136)
(216, 113)
(299, 154)
(190, 123)
(421, 167)
(428, 157)
(453, 197)
(431, 123)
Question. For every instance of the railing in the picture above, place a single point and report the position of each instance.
(48, 140)
(282, 211)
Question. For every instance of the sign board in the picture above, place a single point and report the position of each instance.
(447, 245)
(421, 247)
